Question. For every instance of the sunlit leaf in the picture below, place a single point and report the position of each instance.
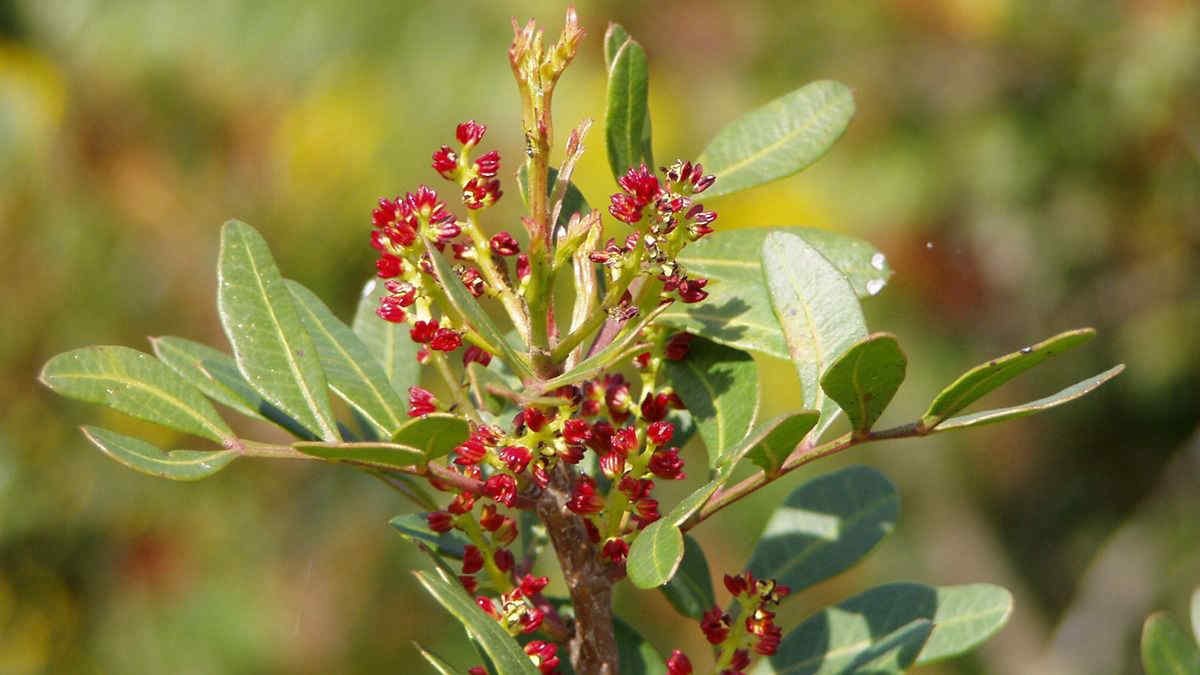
(434, 434)
(738, 311)
(627, 117)
(690, 591)
(136, 384)
(825, 526)
(778, 139)
(1167, 649)
(507, 656)
(351, 370)
(389, 342)
(864, 379)
(184, 465)
(818, 311)
(719, 387)
(1033, 407)
(770, 453)
(982, 379)
(271, 347)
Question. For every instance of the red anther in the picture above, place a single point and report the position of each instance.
(641, 184)
(470, 452)
(584, 499)
(501, 488)
(488, 164)
(576, 431)
(667, 464)
(504, 243)
(470, 132)
(660, 433)
(531, 585)
(390, 309)
(423, 331)
(515, 457)
(420, 402)
(446, 340)
(625, 209)
(625, 441)
(389, 266)
(445, 162)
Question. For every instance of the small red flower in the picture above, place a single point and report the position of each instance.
(523, 267)
(655, 407)
(504, 244)
(440, 521)
(625, 209)
(715, 625)
(480, 670)
(470, 132)
(389, 266)
(488, 164)
(612, 464)
(503, 559)
(474, 354)
(660, 433)
(641, 184)
(424, 204)
(446, 340)
(479, 193)
(472, 560)
(515, 457)
(462, 503)
(445, 162)
(501, 488)
(420, 402)
(490, 519)
(677, 346)
(584, 499)
(543, 654)
(531, 585)
(470, 451)
(576, 431)
(667, 464)
(646, 511)
(390, 309)
(469, 582)
(616, 550)
(691, 290)
(473, 280)
(625, 441)
(423, 331)
(535, 418)
(678, 664)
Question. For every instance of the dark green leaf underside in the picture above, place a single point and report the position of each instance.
(863, 381)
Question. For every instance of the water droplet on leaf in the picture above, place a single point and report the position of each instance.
(874, 286)
(877, 261)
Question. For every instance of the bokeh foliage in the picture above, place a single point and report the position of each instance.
(1027, 167)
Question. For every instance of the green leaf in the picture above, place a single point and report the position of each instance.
(187, 359)
(657, 551)
(737, 311)
(834, 639)
(434, 434)
(778, 139)
(506, 655)
(1167, 649)
(389, 342)
(982, 379)
(414, 527)
(628, 115)
(690, 591)
(434, 660)
(146, 458)
(1033, 407)
(573, 200)
(351, 370)
(225, 373)
(1196, 613)
(770, 453)
(818, 312)
(615, 351)
(635, 654)
(825, 526)
(387, 455)
(136, 384)
(469, 307)
(719, 386)
(271, 347)
(864, 380)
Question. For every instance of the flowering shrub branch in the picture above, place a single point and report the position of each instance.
(557, 423)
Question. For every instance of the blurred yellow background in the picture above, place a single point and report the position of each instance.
(1027, 167)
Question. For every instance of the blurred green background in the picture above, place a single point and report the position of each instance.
(1027, 167)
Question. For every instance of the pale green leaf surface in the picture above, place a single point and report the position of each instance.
(864, 380)
(719, 387)
(1067, 395)
(350, 368)
(224, 371)
(271, 347)
(387, 455)
(825, 526)
(183, 465)
(627, 116)
(137, 384)
(690, 591)
(982, 379)
(187, 358)
(434, 434)
(434, 660)
(389, 342)
(1167, 649)
(818, 311)
(738, 311)
(778, 139)
(507, 656)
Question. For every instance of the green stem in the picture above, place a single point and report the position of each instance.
(457, 389)
(612, 298)
(517, 311)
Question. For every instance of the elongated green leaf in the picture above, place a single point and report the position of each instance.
(136, 384)
(635, 654)
(719, 386)
(614, 352)
(434, 434)
(436, 661)
(690, 591)
(389, 342)
(1196, 613)
(657, 551)
(982, 379)
(778, 139)
(864, 380)
(468, 306)
(892, 653)
(187, 358)
(835, 638)
(628, 108)
(415, 528)
(614, 38)
(389, 455)
(573, 200)
(818, 311)
(1167, 649)
(141, 456)
(225, 373)
(825, 526)
(271, 347)
(1033, 407)
(351, 370)
(507, 656)
(738, 310)
(770, 453)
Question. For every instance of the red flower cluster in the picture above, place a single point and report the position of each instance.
(761, 634)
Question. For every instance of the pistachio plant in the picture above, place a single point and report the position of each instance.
(567, 366)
